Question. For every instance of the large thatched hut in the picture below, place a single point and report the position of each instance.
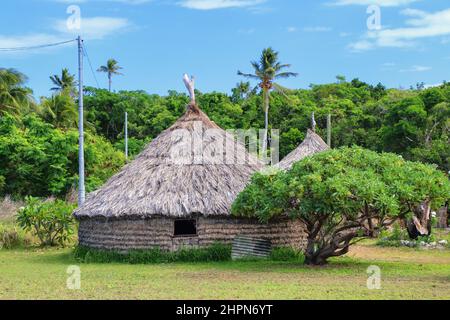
(312, 144)
(178, 192)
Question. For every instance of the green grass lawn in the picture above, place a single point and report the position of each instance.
(406, 274)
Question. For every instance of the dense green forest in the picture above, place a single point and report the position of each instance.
(38, 139)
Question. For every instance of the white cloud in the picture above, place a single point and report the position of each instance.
(362, 45)
(381, 3)
(218, 4)
(247, 31)
(94, 28)
(131, 1)
(417, 69)
(71, 1)
(291, 29)
(427, 86)
(420, 24)
(317, 29)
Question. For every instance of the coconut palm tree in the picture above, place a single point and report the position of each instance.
(60, 110)
(241, 91)
(112, 68)
(14, 97)
(63, 82)
(266, 71)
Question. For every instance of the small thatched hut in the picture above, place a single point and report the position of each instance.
(178, 192)
(312, 144)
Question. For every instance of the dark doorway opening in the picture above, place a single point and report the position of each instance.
(186, 227)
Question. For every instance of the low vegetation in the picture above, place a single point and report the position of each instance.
(398, 237)
(216, 252)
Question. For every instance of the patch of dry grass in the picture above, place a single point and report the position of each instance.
(9, 208)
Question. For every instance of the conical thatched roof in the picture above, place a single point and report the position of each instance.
(312, 144)
(165, 179)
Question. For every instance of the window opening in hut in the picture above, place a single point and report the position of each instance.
(185, 228)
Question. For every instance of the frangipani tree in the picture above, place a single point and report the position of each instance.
(343, 196)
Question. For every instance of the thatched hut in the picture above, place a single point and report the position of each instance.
(178, 192)
(312, 144)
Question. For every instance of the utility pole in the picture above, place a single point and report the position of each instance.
(126, 135)
(329, 130)
(81, 189)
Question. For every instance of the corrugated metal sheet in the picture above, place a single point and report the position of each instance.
(248, 247)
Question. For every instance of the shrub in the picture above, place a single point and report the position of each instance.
(287, 254)
(51, 221)
(397, 233)
(216, 252)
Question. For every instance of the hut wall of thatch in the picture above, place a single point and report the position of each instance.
(158, 232)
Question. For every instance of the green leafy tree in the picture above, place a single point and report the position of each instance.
(111, 69)
(41, 160)
(404, 124)
(342, 196)
(266, 71)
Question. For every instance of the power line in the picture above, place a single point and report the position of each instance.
(90, 64)
(37, 47)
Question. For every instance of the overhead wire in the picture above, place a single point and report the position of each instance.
(38, 46)
(90, 64)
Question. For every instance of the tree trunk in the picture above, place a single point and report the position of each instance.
(442, 216)
(110, 82)
(266, 122)
(420, 225)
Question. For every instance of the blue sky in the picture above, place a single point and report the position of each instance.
(156, 41)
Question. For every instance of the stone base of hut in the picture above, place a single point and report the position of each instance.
(158, 232)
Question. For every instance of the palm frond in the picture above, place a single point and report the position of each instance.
(283, 90)
(248, 75)
(286, 75)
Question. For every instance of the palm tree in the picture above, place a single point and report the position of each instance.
(266, 70)
(63, 82)
(60, 110)
(112, 68)
(241, 91)
(14, 97)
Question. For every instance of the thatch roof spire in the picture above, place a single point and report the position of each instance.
(190, 86)
(186, 170)
(312, 144)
